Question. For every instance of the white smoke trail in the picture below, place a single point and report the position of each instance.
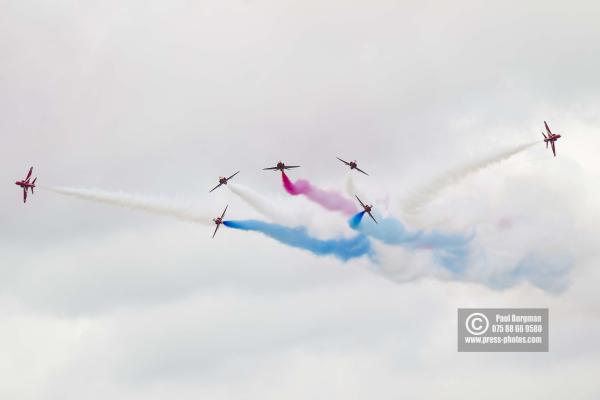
(260, 203)
(381, 201)
(134, 202)
(413, 204)
(351, 189)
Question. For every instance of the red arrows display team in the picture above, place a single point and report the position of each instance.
(280, 166)
(223, 181)
(219, 220)
(353, 165)
(551, 138)
(366, 208)
(26, 184)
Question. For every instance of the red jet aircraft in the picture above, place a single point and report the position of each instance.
(223, 181)
(281, 166)
(352, 165)
(551, 138)
(218, 221)
(366, 208)
(25, 184)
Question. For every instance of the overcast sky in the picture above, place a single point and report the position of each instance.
(162, 97)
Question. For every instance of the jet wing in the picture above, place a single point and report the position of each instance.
(270, 168)
(358, 169)
(547, 128)
(553, 148)
(345, 162)
(371, 215)
(222, 215)
(233, 175)
(29, 174)
(291, 166)
(216, 229)
(25, 195)
(219, 185)
(361, 203)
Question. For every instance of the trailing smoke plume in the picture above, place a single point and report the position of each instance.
(328, 199)
(134, 202)
(342, 248)
(260, 203)
(455, 257)
(426, 194)
(351, 189)
(449, 250)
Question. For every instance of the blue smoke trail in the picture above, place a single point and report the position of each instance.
(355, 220)
(341, 248)
(548, 273)
(451, 251)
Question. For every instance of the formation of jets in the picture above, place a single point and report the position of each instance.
(26, 184)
